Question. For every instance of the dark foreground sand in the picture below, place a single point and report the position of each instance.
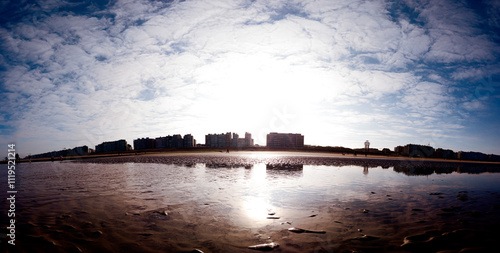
(89, 220)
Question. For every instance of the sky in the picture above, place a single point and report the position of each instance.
(76, 73)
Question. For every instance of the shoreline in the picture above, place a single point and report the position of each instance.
(254, 151)
(296, 160)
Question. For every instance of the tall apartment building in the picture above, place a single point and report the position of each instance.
(211, 140)
(248, 140)
(285, 140)
(189, 141)
(161, 142)
(175, 141)
(228, 140)
(144, 143)
(112, 146)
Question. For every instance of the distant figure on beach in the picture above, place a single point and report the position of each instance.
(60, 157)
(227, 151)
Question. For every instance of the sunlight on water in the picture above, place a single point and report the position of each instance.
(255, 203)
(256, 208)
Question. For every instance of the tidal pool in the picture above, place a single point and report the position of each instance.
(227, 202)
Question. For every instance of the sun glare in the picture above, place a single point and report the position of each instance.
(257, 204)
(277, 95)
(256, 208)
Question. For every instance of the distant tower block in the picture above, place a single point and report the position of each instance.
(367, 145)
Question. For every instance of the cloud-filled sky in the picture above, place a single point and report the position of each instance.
(78, 73)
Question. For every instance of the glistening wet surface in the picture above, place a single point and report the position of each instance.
(227, 202)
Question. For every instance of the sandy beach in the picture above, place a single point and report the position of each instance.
(227, 202)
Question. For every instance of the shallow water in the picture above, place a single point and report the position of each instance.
(162, 207)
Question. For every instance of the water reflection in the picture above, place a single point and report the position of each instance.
(365, 170)
(228, 165)
(256, 208)
(425, 171)
(294, 170)
(409, 170)
(286, 167)
(228, 203)
(284, 160)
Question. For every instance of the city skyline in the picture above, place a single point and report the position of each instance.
(231, 140)
(341, 72)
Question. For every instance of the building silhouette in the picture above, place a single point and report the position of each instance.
(228, 140)
(160, 142)
(113, 146)
(285, 140)
(248, 140)
(175, 141)
(415, 150)
(77, 151)
(144, 143)
(445, 153)
(189, 141)
(472, 156)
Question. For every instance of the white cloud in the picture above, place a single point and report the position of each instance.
(449, 48)
(426, 98)
(474, 105)
(414, 43)
(379, 83)
(454, 32)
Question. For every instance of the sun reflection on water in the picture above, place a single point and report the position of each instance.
(256, 204)
(256, 208)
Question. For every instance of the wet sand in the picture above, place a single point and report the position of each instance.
(246, 158)
(82, 210)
